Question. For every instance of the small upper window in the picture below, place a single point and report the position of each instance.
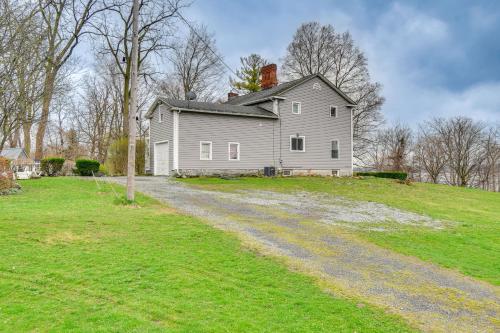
(296, 108)
(297, 143)
(333, 111)
(335, 149)
(234, 151)
(160, 117)
(205, 150)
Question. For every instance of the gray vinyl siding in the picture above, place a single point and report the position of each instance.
(255, 136)
(264, 142)
(161, 132)
(317, 126)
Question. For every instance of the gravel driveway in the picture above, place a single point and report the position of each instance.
(311, 233)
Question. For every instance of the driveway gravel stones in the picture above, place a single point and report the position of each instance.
(313, 234)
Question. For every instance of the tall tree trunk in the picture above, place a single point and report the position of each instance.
(15, 138)
(48, 91)
(27, 124)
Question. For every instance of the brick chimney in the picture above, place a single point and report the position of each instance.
(268, 77)
(231, 95)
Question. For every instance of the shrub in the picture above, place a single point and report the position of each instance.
(6, 177)
(385, 174)
(51, 166)
(117, 161)
(87, 167)
(103, 169)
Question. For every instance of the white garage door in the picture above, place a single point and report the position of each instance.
(161, 159)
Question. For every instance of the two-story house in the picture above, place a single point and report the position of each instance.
(301, 127)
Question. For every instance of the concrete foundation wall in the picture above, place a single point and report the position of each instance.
(219, 172)
(259, 172)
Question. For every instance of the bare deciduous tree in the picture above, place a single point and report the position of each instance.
(155, 32)
(320, 49)
(19, 46)
(196, 67)
(430, 153)
(98, 117)
(65, 22)
(391, 148)
(489, 169)
(461, 138)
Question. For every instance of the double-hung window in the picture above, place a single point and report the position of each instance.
(297, 143)
(205, 150)
(296, 108)
(333, 111)
(335, 149)
(233, 149)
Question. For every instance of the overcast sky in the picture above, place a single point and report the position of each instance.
(433, 58)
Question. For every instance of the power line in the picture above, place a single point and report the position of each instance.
(206, 44)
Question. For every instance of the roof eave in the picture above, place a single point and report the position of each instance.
(149, 113)
(225, 113)
(270, 98)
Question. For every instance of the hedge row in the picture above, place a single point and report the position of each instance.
(87, 167)
(385, 174)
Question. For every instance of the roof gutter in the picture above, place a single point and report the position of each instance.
(224, 113)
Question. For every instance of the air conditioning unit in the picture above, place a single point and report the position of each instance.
(269, 171)
(287, 172)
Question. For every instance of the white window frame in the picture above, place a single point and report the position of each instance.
(201, 145)
(336, 111)
(300, 107)
(229, 151)
(303, 144)
(338, 149)
(160, 116)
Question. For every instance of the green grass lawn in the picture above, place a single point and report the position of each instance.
(471, 245)
(73, 259)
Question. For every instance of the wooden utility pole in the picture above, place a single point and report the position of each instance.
(132, 123)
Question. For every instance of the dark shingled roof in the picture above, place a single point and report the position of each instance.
(275, 91)
(205, 107)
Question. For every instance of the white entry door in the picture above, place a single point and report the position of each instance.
(161, 159)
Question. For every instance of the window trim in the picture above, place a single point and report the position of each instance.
(160, 116)
(336, 111)
(338, 149)
(303, 144)
(201, 145)
(300, 107)
(229, 151)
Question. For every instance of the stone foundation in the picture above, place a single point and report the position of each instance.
(259, 172)
(218, 172)
(318, 172)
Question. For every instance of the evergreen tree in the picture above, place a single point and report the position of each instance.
(248, 76)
